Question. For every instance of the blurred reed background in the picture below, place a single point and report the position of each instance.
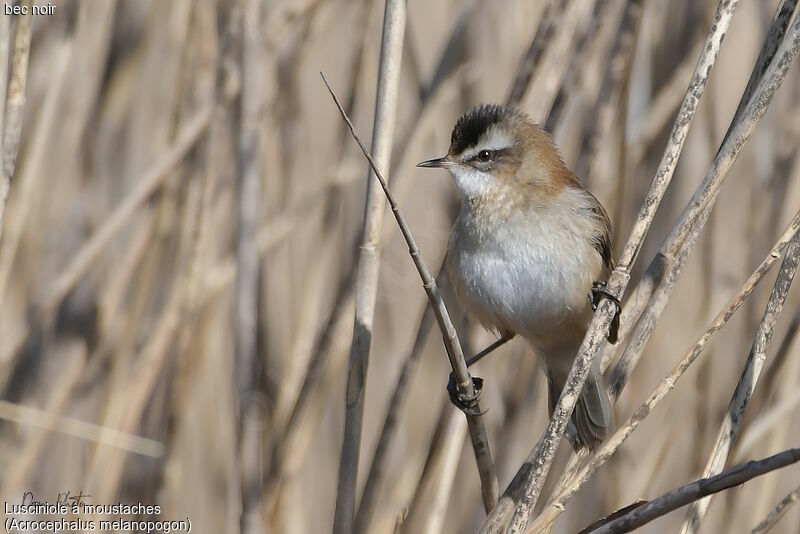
(180, 239)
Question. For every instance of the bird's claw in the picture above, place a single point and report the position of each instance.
(466, 403)
(599, 292)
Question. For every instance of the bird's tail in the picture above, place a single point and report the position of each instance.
(593, 419)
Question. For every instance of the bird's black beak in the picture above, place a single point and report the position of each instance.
(436, 163)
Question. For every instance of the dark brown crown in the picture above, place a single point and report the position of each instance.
(474, 123)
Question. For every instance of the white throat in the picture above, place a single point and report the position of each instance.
(472, 183)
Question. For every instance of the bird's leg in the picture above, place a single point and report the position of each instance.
(599, 292)
(505, 338)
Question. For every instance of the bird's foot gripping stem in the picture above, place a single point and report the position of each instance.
(599, 292)
(466, 403)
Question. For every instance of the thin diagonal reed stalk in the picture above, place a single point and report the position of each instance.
(777, 513)
(27, 415)
(464, 383)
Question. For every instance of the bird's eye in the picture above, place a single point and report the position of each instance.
(484, 155)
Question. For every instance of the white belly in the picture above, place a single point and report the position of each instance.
(529, 275)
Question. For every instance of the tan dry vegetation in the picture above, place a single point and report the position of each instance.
(178, 252)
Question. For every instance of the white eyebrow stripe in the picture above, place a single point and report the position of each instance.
(493, 139)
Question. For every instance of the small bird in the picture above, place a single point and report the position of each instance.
(529, 245)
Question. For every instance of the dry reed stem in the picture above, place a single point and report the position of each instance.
(644, 292)
(551, 14)
(580, 64)
(380, 459)
(320, 354)
(747, 383)
(73, 356)
(774, 60)
(523, 492)
(429, 504)
(604, 171)
(109, 303)
(455, 353)
(377, 469)
(770, 429)
(149, 184)
(662, 263)
(777, 513)
(248, 192)
(198, 225)
(680, 129)
(271, 234)
(194, 225)
(137, 380)
(666, 273)
(5, 39)
(443, 78)
(148, 135)
(126, 408)
(661, 109)
(449, 58)
(28, 180)
(394, 23)
(69, 426)
(246, 45)
(307, 353)
(735, 476)
(781, 20)
(767, 421)
(555, 62)
(608, 100)
(779, 368)
(83, 260)
(576, 474)
(15, 102)
(659, 280)
(300, 356)
(292, 402)
(447, 75)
